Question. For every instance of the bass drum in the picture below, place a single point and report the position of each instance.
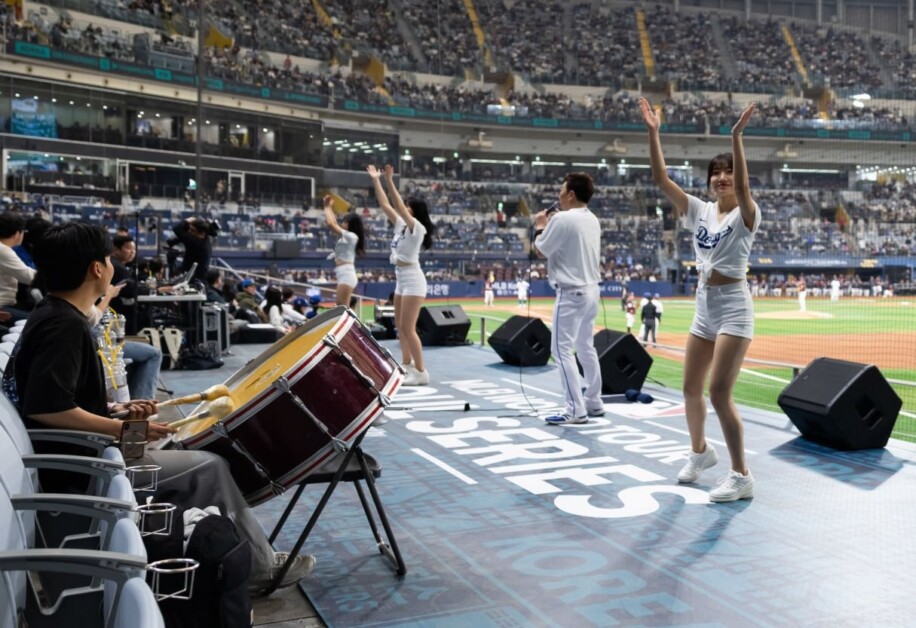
(328, 379)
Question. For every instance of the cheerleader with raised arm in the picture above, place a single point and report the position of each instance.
(413, 231)
(352, 243)
(723, 324)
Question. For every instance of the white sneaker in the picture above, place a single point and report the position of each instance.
(733, 487)
(416, 378)
(697, 463)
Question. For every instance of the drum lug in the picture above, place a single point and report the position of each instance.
(384, 400)
(221, 430)
(282, 384)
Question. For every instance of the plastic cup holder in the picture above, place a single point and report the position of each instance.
(144, 477)
(156, 519)
(178, 573)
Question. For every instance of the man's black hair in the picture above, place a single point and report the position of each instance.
(65, 252)
(120, 240)
(11, 223)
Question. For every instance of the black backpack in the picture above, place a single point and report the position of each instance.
(199, 358)
(220, 598)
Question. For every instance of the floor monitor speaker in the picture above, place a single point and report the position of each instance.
(844, 405)
(624, 362)
(443, 325)
(522, 341)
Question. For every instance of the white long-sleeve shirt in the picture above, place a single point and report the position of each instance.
(12, 272)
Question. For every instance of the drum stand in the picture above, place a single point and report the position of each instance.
(352, 466)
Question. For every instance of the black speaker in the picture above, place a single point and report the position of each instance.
(842, 404)
(522, 341)
(624, 362)
(443, 325)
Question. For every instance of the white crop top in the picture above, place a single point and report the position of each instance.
(345, 249)
(724, 246)
(405, 246)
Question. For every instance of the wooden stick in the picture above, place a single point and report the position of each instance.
(219, 409)
(214, 392)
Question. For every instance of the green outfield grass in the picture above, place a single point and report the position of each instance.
(759, 385)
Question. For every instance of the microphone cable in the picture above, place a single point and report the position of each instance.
(553, 208)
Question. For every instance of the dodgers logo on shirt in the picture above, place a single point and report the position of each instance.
(710, 241)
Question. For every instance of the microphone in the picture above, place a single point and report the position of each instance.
(554, 208)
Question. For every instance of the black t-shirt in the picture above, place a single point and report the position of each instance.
(649, 313)
(126, 301)
(195, 250)
(55, 366)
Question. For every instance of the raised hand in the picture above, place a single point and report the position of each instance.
(373, 171)
(744, 119)
(648, 115)
(329, 200)
(389, 171)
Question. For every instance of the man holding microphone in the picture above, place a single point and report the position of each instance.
(569, 236)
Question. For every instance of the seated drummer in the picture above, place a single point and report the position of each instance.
(55, 379)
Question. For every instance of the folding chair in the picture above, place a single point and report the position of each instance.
(352, 466)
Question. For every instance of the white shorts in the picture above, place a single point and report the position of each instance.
(726, 309)
(411, 281)
(346, 274)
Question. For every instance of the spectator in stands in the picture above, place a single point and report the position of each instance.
(122, 256)
(195, 234)
(248, 303)
(145, 360)
(215, 287)
(26, 295)
(274, 309)
(55, 380)
(290, 314)
(12, 269)
(413, 230)
(724, 321)
(351, 243)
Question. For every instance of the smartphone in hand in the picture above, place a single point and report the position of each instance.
(134, 439)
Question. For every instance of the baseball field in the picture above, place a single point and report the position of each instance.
(879, 331)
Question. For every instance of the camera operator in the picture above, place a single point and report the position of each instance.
(195, 234)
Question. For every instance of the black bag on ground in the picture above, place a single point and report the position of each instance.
(220, 598)
(199, 358)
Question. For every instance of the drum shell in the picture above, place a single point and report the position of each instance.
(273, 431)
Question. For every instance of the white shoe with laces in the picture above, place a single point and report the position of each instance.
(733, 487)
(697, 463)
(415, 377)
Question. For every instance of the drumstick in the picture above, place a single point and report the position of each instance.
(218, 409)
(214, 392)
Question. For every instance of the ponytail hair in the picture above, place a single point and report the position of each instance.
(355, 226)
(420, 213)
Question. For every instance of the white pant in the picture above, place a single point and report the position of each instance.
(346, 274)
(574, 314)
(488, 297)
(802, 298)
(411, 282)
